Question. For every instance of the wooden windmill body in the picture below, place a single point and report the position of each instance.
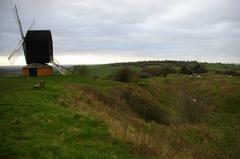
(38, 51)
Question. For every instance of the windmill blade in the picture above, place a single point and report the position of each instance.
(32, 25)
(58, 66)
(15, 11)
(16, 52)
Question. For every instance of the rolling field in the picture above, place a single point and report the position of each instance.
(173, 117)
(34, 125)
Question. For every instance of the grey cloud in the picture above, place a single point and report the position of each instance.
(164, 28)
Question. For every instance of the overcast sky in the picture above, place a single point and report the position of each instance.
(88, 31)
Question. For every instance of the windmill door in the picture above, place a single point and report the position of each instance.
(32, 71)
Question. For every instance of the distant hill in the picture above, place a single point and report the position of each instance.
(106, 70)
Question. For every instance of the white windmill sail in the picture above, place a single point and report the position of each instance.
(58, 66)
(21, 45)
(16, 52)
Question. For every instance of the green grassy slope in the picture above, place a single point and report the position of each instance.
(34, 125)
(175, 117)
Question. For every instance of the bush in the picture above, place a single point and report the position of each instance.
(158, 71)
(228, 72)
(198, 68)
(144, 75)
(231, 73)
(125, 74)
(185, 70)
(80, 70)
(95, 77)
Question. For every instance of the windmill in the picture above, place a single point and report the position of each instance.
(37, 46)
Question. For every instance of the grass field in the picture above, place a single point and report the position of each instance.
(175, 117)
(34, 125)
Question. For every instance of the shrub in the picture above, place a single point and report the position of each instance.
(154, 71)
(144, 75)
(159, 71)
(188, 69)
(80, 70)
(199, 69)
(95, 77)
(228, 72)
(231, 73)
(125, 74)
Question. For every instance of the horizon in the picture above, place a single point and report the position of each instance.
(20, 61)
